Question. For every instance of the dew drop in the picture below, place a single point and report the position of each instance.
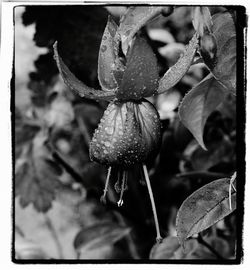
(107, 144)
(109, 130)
(103, 48)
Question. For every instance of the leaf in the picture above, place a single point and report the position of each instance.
(76, 85)
(107, 57)
(202, 20)
(133, 20)
(177, 71)
(223, 30)
(221, 151)
(140, 78)
(28, 250)
(170, 249)
(25, 130)
(199, 103)
(204, 208)
(98, 236)
(36, 179)
(60, 112)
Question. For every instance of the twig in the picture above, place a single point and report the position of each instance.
(70, 170)
(204, 243)
(54, 235)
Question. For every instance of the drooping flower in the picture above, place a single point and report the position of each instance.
(129, 132)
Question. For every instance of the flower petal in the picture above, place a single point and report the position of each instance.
(76, 85)
(128, 134)
(141, 76)
(107, 56)
(177, 71)
(134, 19)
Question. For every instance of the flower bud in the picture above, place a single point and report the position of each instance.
(208, 49)
(129, 132)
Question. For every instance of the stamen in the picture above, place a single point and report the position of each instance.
(103, 197)
(158, 235)
(123, 188)
(118, 184)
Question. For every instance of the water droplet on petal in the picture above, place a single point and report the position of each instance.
(103, 48)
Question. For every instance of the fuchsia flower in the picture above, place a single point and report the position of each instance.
(129, 132)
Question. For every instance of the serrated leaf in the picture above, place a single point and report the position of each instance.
(223, 30)
(204, 208)
(107, 57)
(35, 180)
(199, 103)
(170, 249)
(76, 85)
(99, 235)
(177, 71)
(133, 20)
(140, 78)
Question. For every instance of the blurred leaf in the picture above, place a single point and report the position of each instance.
(167, 103)
(203, 208)
(133, 20)
(224, 32)
(36, 179)
(177, 71)
(28, 250)
(172, 52)
(171, 249)
(161, 35)
(60, 113)
(99, 236)
(199, 103)
(218, 244)
(107, 56)
(25, 130)
(218, 152)
(202, 20)
(140, 78)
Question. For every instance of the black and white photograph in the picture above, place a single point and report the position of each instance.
(127, 133)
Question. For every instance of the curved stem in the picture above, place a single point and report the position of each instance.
(158, 235)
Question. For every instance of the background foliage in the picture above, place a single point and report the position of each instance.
(58, 213)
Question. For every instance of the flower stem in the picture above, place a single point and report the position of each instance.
(158, 235)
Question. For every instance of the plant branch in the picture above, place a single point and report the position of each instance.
(207, 245)
(68, 168)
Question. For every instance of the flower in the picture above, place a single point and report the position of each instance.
(130, 130)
